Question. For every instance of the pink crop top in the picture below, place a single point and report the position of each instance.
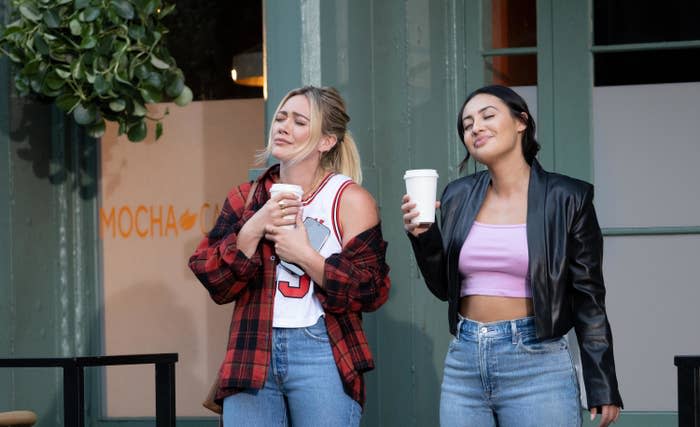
(494, 261)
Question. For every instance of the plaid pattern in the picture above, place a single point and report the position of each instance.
(356, 280)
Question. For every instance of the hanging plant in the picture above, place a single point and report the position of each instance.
(98, 59)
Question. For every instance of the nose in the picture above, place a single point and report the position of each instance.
(282, 126)
(477, 126)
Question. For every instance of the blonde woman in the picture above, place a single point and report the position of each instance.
(297, 352)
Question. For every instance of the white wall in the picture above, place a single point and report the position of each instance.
(158, 199)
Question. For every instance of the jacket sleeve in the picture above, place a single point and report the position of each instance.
(430, 256)
(588, 298)
(357, 278)
(217, 262)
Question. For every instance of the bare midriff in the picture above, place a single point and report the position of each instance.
(484, 308)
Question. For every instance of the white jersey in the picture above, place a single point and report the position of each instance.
(296, 305)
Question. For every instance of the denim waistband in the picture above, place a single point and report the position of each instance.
(503, 328)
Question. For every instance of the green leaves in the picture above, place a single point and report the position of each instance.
(84, 115)
(30, 12)
(122, 8)
(98, 59)
(159, 63)
(137, 132)
(184, 98)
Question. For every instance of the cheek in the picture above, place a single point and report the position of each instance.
(301, 133)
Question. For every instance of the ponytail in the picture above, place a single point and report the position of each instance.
(344, 158)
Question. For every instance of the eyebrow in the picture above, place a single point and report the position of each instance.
(470, 117)
(293, 114)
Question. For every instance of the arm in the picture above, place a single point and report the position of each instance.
(218, 262)
(588, 298)
(426, 242)
(357, 278)
(430, 256)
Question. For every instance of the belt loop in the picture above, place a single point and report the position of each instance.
(459, 327)
(514, 331)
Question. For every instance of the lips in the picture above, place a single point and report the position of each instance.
(281, 141)
(481, 141)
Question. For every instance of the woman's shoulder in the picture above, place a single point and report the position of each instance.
(568, 185)
(358, 209)
(465, 183)
(357, 196)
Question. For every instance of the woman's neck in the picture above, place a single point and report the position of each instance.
(510, 177)
(303, 173)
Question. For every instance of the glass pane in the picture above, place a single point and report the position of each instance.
(204, 37)
(512, 70)
(632, 21)
(651, 283)
(513, 23)
(646, 152)
(646, 67)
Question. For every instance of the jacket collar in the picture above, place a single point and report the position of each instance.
(536, 230)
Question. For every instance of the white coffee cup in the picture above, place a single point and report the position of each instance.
(287, 188)
(421, 187)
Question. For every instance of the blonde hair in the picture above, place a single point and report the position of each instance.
(328, 118)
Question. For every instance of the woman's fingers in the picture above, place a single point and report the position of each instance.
(408, 207)
(408, 217)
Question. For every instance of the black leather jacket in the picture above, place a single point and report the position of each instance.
(565, 245)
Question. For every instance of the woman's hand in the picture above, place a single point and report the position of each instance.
(410, 212)
(608, 414)
(292, 245)
(281, 210)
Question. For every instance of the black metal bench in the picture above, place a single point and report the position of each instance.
(74, 387)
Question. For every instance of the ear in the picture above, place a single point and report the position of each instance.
(522, 122)
(327, 143)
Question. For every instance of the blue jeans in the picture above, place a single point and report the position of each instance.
(303, 386)
(500, 374)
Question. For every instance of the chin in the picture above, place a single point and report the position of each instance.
(281, 154)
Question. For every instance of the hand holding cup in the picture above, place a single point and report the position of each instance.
(410, 214)
(419, 203)
(288, 198)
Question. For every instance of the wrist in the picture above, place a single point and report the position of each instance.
(253, 228)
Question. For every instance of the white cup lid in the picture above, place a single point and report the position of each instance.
(413, 173)
(287, 188)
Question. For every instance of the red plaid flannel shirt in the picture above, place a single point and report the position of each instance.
(356, 280)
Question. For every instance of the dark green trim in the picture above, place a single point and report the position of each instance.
(510, 51)
(6, 294)
(283, 33)
(473, 45)
(638, 419)
(456, 85)
(633, 47)
(627, 419)
(545, 85)
(650, 231)
(572, 83)
(474, 62)
(150, 422)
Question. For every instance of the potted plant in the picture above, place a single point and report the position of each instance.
(97, 59)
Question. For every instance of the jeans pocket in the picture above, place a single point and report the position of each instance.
(453, 344)
(318, 331)
(531, 344)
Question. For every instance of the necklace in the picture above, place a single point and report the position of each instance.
(316, 183)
